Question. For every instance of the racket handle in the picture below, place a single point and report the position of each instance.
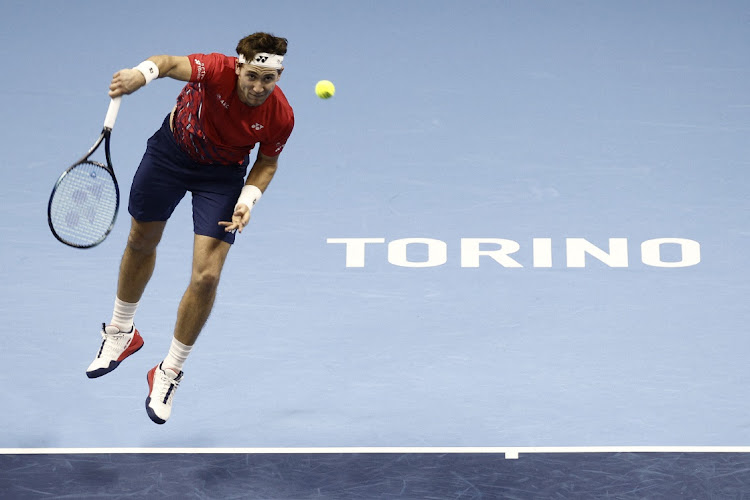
(114, 108)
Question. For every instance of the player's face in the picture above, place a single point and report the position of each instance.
(255, 83)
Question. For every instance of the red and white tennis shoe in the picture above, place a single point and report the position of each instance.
(116, 346)
(162, 385)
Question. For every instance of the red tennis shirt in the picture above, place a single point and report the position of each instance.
(212, 125)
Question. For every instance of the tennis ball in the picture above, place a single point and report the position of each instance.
(325, 89)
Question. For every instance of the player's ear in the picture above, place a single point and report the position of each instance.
(237, 68)
(279, 73)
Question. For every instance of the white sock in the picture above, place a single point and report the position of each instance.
(178, 353)
(123, 314)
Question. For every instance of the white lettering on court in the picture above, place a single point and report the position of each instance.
(476, 252)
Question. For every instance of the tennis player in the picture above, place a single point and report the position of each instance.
(229, 105)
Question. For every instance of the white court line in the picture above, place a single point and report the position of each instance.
(509, 452)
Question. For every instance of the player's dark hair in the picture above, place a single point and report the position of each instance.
(261, 42)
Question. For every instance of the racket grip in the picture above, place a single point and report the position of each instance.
(114, 108)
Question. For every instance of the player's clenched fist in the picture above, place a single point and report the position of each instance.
(126, 81)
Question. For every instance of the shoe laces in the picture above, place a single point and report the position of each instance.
(165, 384)
(114, 343)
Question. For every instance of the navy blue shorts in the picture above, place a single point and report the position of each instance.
(166, 173)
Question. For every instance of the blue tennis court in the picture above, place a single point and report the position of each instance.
(517, 225)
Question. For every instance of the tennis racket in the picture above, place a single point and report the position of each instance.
(83, 205)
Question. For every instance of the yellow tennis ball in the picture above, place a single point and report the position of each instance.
(325, 89)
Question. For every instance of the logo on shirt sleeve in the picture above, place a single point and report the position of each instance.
(200, 69)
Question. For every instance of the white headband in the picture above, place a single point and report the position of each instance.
(263, 59)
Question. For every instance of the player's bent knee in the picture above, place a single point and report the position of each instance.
(206, 281)
(142, 243)
(145, 236)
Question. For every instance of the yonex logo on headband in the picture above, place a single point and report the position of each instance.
(264, 59)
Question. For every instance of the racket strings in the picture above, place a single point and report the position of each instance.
(84, 205)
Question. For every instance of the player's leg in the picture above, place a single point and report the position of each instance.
(156, 190)
(120, 338)
(209, 255)
(215, 190)
(138, 259)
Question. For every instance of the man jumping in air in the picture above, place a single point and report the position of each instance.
(229, 105)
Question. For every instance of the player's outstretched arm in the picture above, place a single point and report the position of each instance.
(257, 180)
(128, 80)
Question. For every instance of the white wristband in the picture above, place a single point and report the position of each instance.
(149, 69)
(249, 196)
